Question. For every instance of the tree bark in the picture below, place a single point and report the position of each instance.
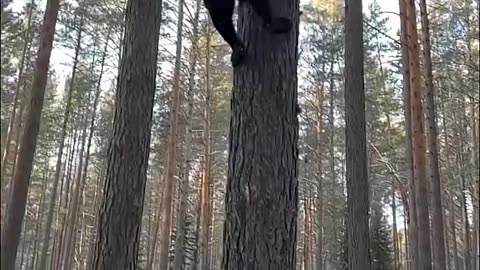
(166, 222)
(418, 143)
(319, 127)
(262, 190)
(119, 221)
(356, 140)
(179, 257)
(434, 174)
(206, 191)
(21, 179)
(412, 205)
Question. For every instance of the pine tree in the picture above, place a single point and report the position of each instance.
(381, 249)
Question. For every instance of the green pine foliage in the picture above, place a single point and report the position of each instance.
(381, 250)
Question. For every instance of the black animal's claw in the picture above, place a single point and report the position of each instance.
(238, 55)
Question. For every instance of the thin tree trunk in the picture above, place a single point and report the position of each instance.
(197, 223)
(434, 174)
(39, 219)
(418, 143)
(58, 166)
(319, 127)
(166, 222)
(206, 209)
(395, 232)
(181, 219)
(73, 209)
(21, 180)
(413, 259)
(355, 140)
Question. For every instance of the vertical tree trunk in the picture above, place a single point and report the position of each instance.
(171, 162)
(39, 218)
(206, 209)
(182, 215)
(120, 218)
(355, 140)
(418, 143)
(413, 259)
(262, 190)
(396, 260)
(197, 222)
(21, 180)
(454, 231)
(434, 174)
(58, 166)
(74, 205)
(319, 127)
(307, 237)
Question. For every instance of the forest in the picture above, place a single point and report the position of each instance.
(128, 140)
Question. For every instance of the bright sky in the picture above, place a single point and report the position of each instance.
(61, 55)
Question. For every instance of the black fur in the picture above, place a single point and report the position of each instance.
(221, 12)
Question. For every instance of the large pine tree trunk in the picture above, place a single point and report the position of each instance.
(171, 162)
(418, 142)
(412, 205)
(21, 179)
(434, 174)
(262, 190)
(356, 140)
(120, 218)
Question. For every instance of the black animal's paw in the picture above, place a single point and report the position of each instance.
(280, 25)
(238, 55)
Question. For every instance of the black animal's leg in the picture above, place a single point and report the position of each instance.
(227, 31)
(221, 12)
(277, 25)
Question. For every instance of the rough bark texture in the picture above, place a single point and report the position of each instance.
(438, 238)
(119, 222)
(356, 140)
(412, 205)
(21, 179)
(319, 174)
(262, 189)
(171, 163)
(179, 257)
(418, 142)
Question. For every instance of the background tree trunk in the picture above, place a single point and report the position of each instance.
(171, 163)
(21, 179)
(355, 140)
(119, 222)
(434, 174)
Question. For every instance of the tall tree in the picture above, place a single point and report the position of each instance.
(21, 179)
(438, 239)
(171, 162)
(119, 221)
(261, 197)
(356, 140)
(418, 141)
